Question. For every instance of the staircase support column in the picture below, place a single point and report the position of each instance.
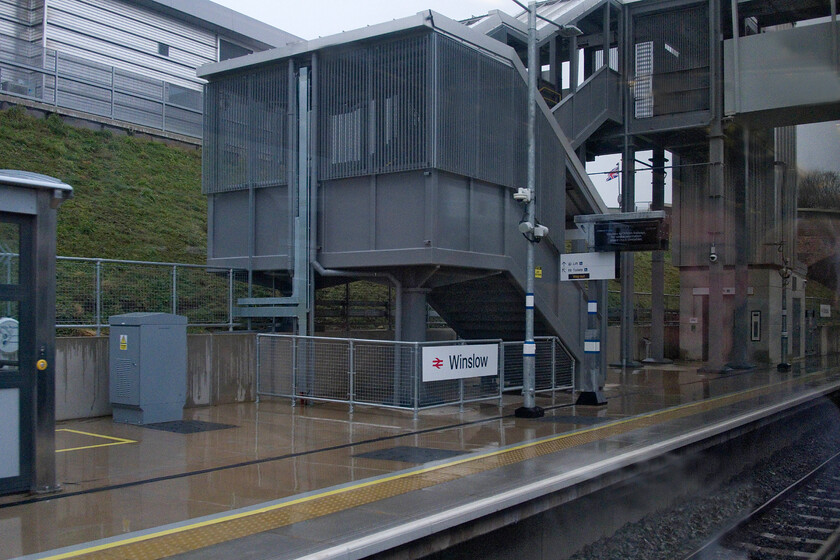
(414, 314)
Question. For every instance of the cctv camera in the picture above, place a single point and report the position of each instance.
(526, 227)
(522, 195)
(540, 231)
(713, 257)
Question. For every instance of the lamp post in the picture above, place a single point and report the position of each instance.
(527, 226)
(784, 272)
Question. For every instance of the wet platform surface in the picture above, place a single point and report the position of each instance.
(269, 476)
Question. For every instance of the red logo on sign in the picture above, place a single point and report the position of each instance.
(437, 362)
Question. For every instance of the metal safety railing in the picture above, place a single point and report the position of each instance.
(388, 374)
(70, 82)
(88, 291)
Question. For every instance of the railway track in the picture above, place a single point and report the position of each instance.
(801, 522)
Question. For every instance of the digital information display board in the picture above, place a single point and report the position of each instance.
(638, 235)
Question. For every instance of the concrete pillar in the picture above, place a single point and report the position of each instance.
(739, 358)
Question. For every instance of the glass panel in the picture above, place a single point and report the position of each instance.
(9, 341)
(9, 253)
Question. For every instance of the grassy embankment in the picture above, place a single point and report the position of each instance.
(133, 198)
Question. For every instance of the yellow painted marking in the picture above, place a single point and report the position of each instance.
(191, 537)
(114, 440)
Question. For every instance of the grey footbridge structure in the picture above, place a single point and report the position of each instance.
(392, 153)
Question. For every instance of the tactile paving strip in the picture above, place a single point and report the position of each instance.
(203, 534)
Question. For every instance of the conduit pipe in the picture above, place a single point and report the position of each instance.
(352, 274)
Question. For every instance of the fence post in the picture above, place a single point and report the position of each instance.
(352, 365)
(230, 300)
(553, 364)
(461, 395)
(417, 369)
(174, 289)
(113, 89)
(163, 105)
(259, 369)
(98, 297)
(501, 372)
(294, 370)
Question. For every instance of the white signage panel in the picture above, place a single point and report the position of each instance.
(459, 362)
(825, 310)
(587, 266)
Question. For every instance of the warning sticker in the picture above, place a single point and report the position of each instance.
(123, 342)
(538, 272)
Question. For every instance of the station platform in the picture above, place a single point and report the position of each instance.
(271, 480)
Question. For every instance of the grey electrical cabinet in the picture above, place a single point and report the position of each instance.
(148, 359)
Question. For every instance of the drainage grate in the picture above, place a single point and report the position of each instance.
(407, 454)
(188, 426)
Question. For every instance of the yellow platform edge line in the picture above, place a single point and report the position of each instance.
(114, 440)
(209, 522)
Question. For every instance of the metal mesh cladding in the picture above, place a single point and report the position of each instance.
(373, 107)
(246, 125)
(481, 115)
(672, 55)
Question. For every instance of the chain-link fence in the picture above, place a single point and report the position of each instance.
(88, 291)
(389, 374)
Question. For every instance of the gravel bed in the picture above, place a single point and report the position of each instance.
(675, 533)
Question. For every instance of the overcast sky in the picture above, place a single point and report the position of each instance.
(319, 18)
(311, 19)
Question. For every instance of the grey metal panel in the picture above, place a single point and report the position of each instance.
(66, 41)
(271, 222)
(111, 25)
(10, 430)
(597, 100)
(124, 365)
(453, 213)
(401, 195)
(781, 70)
(222, 18)
(230, 224)
(487, 208)
(343, 198)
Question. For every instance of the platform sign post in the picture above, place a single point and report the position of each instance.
(592, 383)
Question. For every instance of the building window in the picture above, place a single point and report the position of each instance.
(231, 50)
(163, 49)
